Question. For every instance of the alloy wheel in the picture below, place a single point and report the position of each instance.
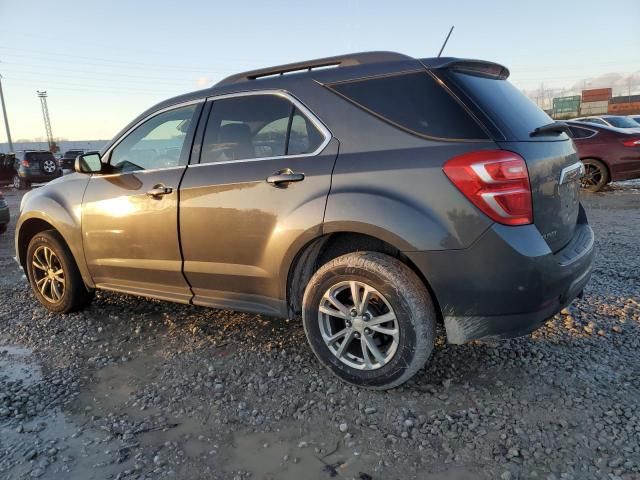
(48, 274)
(358, 325)
(592, 176)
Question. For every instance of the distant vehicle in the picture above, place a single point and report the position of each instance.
(609, 154)
(34, 166)
(69, 158)
(6, 167)
(635, 118)
(617, 121)
(4, 214)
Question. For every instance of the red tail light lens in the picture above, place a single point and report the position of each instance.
(634, 142)
(25, 163)
(495, 181)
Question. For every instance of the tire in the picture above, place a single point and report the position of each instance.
(19, 183)
(3, 227)
(596, 175)
(394, 291)
(57, 296)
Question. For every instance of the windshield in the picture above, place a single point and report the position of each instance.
(622, 122)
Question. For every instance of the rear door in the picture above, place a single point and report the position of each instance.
(130, 216)
(552, 161)
(257, 194)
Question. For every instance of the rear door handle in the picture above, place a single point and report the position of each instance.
(159, 190)
(283, 177)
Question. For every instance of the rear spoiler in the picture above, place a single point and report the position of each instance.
(481, 68)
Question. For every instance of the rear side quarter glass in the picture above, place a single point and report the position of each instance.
(414, 102)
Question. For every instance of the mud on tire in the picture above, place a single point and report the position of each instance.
(394, 291)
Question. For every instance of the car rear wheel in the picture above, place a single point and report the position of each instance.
(369, 319)
(19, 183)
(596, 175)
(54, 275)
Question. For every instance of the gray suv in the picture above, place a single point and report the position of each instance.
(375, 194)
(34, 166)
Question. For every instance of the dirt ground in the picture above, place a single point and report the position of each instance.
(136, 388)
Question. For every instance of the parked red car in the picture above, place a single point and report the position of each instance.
(609, 154)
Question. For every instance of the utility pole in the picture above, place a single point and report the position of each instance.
(42, 95)
(6, 119)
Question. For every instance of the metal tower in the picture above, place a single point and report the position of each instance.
(47, 123)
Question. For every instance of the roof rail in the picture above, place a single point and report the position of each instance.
(338, 61)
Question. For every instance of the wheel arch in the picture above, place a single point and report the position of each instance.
(325, 248)
(29, 227)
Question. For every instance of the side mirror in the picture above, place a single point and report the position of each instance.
(88, 163)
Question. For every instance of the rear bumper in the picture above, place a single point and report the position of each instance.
(38, 177)
(508, 283)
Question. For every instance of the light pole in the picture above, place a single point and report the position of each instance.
(6, 119)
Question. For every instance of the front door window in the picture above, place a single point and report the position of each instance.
(157, 143)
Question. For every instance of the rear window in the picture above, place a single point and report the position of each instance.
(578, 132)
(38, 156)
(512, 111)
(414, 102)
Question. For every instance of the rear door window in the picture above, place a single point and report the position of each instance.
(257, 126)
(413, 102)
(512, 111)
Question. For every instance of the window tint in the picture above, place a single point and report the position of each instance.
(38, 156)
(513, 112)
(577, 132)
(622, 122)
(157, 143)
(256, 126)
(414, 102)
(304, 136)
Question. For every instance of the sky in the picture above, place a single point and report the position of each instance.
(102, 63)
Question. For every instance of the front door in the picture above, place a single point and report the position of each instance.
(258, 194)
(130, 214)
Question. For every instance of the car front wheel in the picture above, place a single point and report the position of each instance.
(53, 274)
(369, 319)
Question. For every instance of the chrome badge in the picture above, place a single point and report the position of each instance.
(572, 173)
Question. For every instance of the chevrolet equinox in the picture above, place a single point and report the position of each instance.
(375, 194)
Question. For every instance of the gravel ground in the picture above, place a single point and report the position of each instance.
(135, 388)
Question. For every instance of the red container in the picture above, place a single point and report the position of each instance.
(595, 98)
(624, 108)
(597, 94)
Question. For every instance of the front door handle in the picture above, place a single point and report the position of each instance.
(159, 190)
(283, 177)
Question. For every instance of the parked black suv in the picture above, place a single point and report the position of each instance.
(6, 167)
(68, 159)
(34, 166)
(374, 193)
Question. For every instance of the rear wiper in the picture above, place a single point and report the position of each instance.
(551, 128)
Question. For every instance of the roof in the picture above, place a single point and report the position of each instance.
(363, 58)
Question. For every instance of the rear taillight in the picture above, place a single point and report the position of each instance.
(634, 142)
(25, 163)
(497, 182)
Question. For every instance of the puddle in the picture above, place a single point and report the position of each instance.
(286, 456)
(115, 384)
(15, 367)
